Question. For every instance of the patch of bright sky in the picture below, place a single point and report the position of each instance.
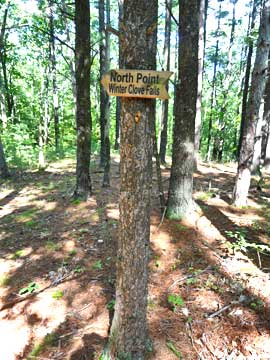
(29, 7)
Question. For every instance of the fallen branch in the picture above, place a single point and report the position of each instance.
(208, 268)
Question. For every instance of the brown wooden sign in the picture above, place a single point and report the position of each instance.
(136, 83)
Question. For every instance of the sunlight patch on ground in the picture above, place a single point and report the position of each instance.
(113, 214)
(162, 241)
(14, 335)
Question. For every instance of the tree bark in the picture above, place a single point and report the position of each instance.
(265, 150)
(180, 201)
(103, 95)
(129, 331)
(83, 116)
(247, 76)
(4, 172)
(118, 100)
(107, 144)
(198, 119)
(54, 79)
(166, 67)
(213, 91)
(218, 142)
(257, 88)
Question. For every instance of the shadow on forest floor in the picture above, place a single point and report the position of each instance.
(64, 252)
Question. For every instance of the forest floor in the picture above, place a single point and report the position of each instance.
(209, 282)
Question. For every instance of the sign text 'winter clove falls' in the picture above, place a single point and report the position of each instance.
(137, 83)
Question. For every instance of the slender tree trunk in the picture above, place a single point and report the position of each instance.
(198, 120)
(180, 201)
(166, 67)
(107, 145)
(258, 82)
(102, 70)
(4, 172)
(70, 59)
(265, 150)
(227, 82)
(54, 79)
(118, 100)
(44, 121)
(213, 92)
(83, 116)
(129, 331)
(247, 76)
(256, 161)
(158, 170)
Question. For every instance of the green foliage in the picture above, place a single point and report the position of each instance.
(79, 269)
(58, 294)
(52, 246)
(72, 253)
(29, 289)
(49, 341)
(175, 301)
(4, 280)
(172, 348)
(17, 255)
(241, 244)
(98, 265)
(111, 304)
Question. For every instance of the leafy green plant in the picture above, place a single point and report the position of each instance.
(16, 255)
(72, 253)
(241, 244)
(29, 289)
(191, 281)
(79, 269)
(111, 304)
(98, 265)
(58, 294)
(49, 340)
(205, 195)
(171, 346)
(175, 301)
(50, 245)
(4, 280)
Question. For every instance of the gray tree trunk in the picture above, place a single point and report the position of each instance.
(198, 119)
(180, 201)
(129, 331)
(107, 144)
(83, 116)
(54, 79)
(265, 151)
(247, 75)
(213, 91)
(257, 88)
(4, 172)
(118, 100)
(166, 67)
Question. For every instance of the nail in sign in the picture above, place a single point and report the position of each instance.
(137, 83)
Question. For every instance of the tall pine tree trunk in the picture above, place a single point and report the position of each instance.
(118, 99)
(213, 91)
(180, 201)
(107, 145)
(129, 331)
(83, 116)
(54, 79)
(265, 151)
(227, 83)
(102, 63)
(247, 75)
(166, 67)
(258, 82)
(198, 120)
